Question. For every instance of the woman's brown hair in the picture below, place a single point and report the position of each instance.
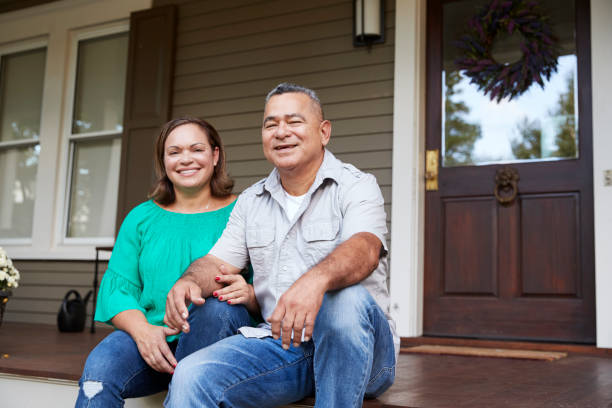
(221, 184)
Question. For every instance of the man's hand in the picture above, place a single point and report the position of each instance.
(152, 346)
(184, 292)
(297, 309)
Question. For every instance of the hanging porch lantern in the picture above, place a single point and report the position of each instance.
(368, 22)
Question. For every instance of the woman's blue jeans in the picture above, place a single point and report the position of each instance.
(350, 356)
(114, 369)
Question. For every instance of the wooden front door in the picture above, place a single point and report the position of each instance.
(512, 266)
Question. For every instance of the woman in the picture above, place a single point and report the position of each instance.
(188, 210)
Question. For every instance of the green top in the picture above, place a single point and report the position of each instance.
(153, 249)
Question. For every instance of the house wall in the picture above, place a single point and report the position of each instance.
(231, 53)
(43, 286)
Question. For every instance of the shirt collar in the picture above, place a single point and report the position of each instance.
(330, 169)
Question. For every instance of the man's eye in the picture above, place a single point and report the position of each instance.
(172, 153)
(270, 125)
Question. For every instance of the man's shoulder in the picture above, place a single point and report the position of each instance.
(349, 175)
(253, 191)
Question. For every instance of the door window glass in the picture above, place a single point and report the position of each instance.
(485, 124)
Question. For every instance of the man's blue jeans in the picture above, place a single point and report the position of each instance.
(351, 355)
(115, 370)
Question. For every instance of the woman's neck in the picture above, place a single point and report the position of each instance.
(192, 202)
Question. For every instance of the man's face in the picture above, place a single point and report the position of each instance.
(294, 133)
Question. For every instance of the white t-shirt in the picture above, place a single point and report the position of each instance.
(292, 203)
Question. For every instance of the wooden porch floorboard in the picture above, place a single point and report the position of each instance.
(583, 379)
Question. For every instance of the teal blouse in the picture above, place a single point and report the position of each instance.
(153, 249)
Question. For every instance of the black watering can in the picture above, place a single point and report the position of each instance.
(72, 313)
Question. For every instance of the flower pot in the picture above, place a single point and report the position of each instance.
(4, 297)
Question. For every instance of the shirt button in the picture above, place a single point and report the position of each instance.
(284, 268)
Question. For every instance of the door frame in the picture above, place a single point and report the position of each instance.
(408, 190)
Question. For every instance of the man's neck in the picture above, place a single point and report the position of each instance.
(297, 181)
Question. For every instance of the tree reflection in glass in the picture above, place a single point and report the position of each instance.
(539, 124)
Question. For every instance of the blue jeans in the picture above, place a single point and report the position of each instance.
(350, 356)
(114, 369)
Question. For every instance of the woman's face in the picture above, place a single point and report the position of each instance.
(189, 159)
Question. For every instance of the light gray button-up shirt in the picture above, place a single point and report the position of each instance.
(341, 202)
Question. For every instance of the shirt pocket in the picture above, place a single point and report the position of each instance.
(320, 238)
(260, 244)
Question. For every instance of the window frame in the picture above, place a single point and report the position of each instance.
(68, 138)
(15, 48)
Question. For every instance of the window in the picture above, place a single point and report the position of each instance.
(21, 88)
(63, 68)
(95, 136)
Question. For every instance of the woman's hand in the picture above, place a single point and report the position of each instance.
(150, 339)
(236, 291)
(153, 348)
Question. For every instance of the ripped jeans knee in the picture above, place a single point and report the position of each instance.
(91, 388)
(114, 371)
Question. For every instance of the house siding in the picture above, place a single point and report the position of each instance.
(230, 54)
(43, 286)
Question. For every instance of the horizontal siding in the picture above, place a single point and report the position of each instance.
(230, 54)
(42, 288)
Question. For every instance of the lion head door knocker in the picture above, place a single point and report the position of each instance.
(506, 185)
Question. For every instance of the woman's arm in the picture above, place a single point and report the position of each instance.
(150, 339)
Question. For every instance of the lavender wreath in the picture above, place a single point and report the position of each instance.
(539, 48)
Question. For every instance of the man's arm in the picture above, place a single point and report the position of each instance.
(197, 283)
(350, 263)
(363, 233)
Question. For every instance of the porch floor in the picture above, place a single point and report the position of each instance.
(583, 379)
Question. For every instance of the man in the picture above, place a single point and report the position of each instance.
(314, 232)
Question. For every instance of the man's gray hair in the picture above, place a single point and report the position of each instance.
(287, 87)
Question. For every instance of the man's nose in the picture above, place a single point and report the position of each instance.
(282, 130)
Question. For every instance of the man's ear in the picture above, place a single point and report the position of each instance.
(325, 132)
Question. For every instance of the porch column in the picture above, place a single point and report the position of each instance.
(408, 193)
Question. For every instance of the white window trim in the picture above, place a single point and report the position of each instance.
(65, 177)
(14, 48)
(54, 25)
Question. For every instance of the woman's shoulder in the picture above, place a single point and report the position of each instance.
(141, 213)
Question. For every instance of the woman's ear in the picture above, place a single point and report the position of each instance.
(216, 156)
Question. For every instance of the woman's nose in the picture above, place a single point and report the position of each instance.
(186, 158)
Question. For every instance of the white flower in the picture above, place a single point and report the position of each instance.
(9, 275)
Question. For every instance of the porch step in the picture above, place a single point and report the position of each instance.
(20, 391)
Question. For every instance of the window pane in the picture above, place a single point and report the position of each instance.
(21, 88)
(17, 188)
(100, 84)
(93, 189)
(540, 123)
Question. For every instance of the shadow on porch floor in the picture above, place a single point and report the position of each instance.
(583, 379)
